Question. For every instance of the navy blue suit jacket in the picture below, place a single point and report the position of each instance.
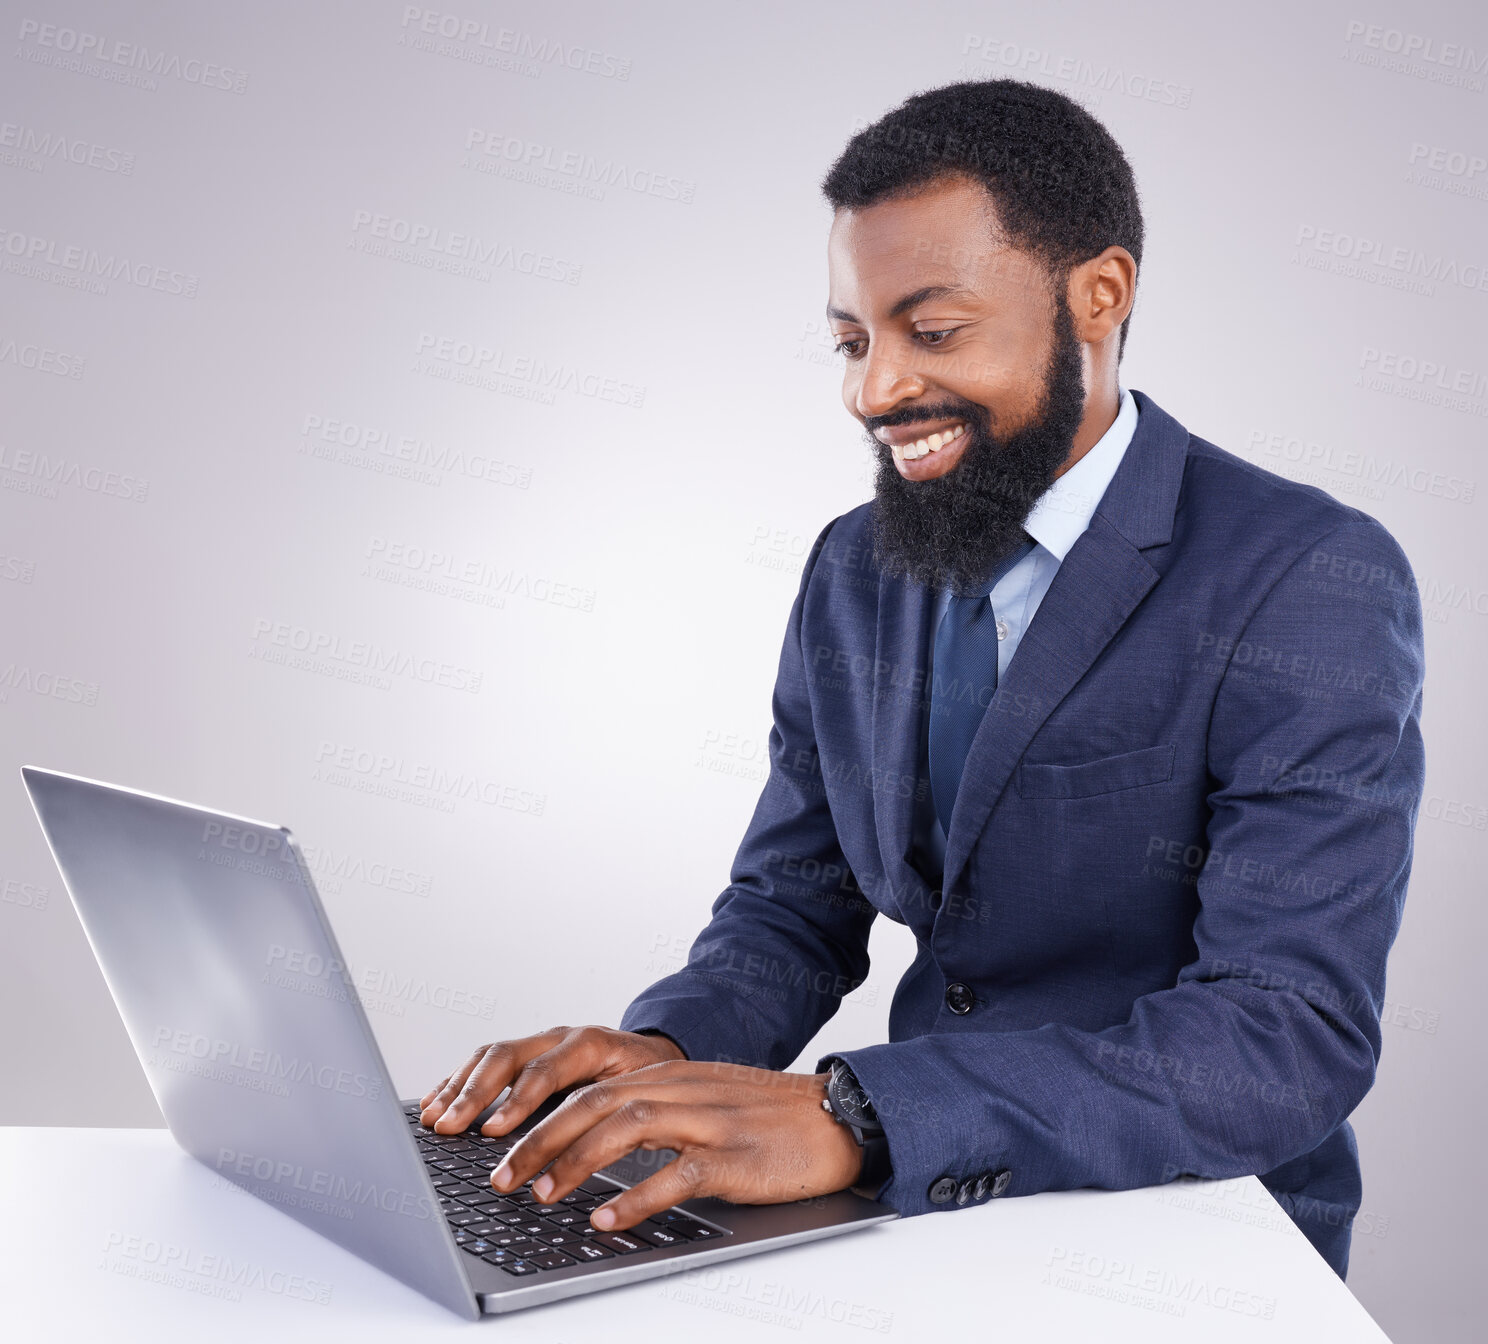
(1175, 866)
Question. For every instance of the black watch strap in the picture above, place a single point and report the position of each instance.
(867, 1129)
(877, 1171)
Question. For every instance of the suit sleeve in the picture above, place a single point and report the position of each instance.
(789, 934)
(1271, 1037)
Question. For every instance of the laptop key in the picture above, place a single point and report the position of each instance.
(690, 1227)
(589, 1250)
(622, 1243)
(519, 1268)
(550, 1260)
(657, 1236)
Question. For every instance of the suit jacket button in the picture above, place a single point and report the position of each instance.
(959, 998)
(1000, 1181)
(942, 1191)
(965, 1189)
(983, 1186)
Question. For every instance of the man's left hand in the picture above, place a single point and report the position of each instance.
(752, 1136)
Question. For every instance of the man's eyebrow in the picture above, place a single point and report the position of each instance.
(912, 300)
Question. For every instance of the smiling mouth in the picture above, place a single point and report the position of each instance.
(931, 443)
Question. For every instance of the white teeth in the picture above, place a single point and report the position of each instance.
(912, 452)
(938, 441)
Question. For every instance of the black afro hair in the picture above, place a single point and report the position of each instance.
(1060, 184)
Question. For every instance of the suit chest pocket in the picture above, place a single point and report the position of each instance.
(1109, 774)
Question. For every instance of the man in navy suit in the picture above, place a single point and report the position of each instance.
(1123, 728)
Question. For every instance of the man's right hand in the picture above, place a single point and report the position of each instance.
(536, 1067)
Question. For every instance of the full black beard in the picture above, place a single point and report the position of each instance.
(950, 532)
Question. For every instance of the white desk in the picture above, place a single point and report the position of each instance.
(88, 1211)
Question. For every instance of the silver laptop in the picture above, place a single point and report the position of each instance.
(218, 953)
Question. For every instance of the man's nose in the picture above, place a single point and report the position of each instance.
(885, 380)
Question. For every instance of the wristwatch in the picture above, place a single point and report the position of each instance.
(848, 1104)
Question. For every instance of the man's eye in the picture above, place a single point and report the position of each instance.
(842, 347)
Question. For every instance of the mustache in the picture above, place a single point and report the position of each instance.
(872, 424)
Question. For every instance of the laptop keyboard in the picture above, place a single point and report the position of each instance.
(520, 1233)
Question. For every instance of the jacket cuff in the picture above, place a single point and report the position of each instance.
(657, 1031)
(709, 1035)
(922, 1178)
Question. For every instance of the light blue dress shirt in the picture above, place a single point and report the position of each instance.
(1055, 523)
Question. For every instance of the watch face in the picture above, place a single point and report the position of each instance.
(850, 1101)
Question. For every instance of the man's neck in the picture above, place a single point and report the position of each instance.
(1100, 414)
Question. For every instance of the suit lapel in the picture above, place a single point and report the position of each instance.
(1099, 584)
(1097, 587)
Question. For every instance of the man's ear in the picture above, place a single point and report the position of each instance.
(1101, 292)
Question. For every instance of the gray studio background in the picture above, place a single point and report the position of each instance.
(376, 365)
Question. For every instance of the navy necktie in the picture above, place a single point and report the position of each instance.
(964, 681)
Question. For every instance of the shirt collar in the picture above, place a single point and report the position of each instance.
(1064, 510)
